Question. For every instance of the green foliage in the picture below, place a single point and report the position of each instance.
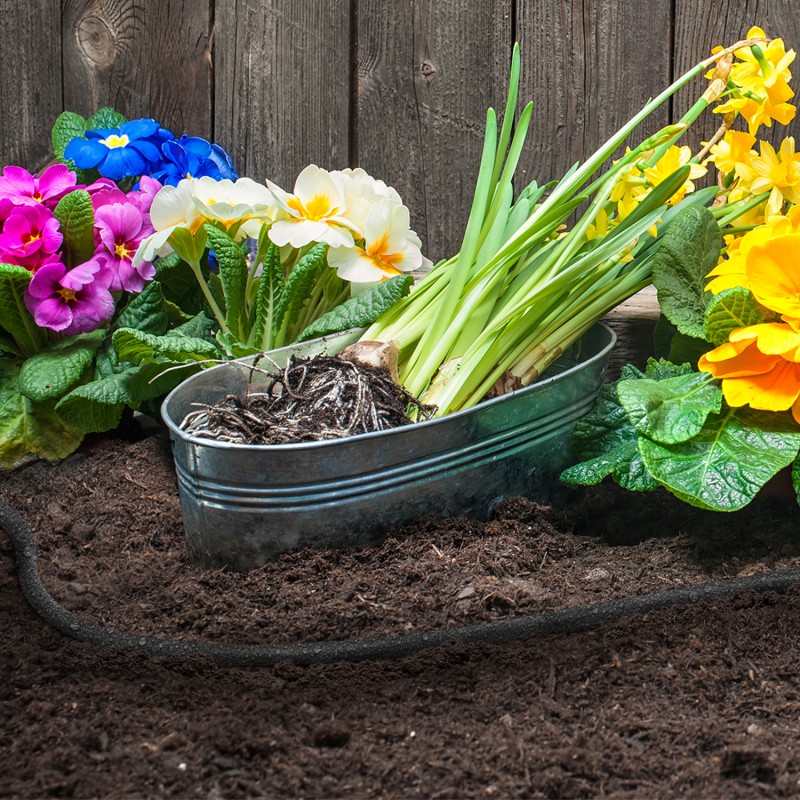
(298, 286)
(270, 289)
(361, 310)
(67, 127)
(730, 309)
(75, 215)
(233, 275)
(140, 347)
(15, 319)
(688, 251)
(105, 117)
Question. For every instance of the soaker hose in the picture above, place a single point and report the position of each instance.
(568, 620)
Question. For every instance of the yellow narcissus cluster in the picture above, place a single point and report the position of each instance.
(759, 365)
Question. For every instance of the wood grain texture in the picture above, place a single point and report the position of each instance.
(634, 322)
(143, 57)
(724, 22)
(283, 85)
(589, 67)
(30, 79)
(427, 72)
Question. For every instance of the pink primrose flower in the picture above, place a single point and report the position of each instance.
(121, 228)
(24, 189)
(30, 234)
(70, 301)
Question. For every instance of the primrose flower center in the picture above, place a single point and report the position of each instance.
(317, 208)
(122, 251)
(115, 140)
(67, 295)
(32, 237)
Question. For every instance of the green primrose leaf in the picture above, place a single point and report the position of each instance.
(361, 310)
(105, 117)
(139, 347)
(15, 318)
(270, 289)
(796, 479)
(179, 283)
(688, 251)
(730, 309)
(50, 374)
(29, 430)
(724, 466)
(233, 274)
(606, 442)
(146, 311)
(661, 369)
(233, 348)
(68, 126)
(298, 285)
(670, 410)
(687, 349)
(200, 326)
(75, 215)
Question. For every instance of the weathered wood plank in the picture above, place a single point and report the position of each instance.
(143, 57)
(634, 322)
(726, 23)
(30, 88)
(589, 67)
(427, 72)
(283, 85)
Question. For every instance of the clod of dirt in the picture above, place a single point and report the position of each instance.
(324, 397)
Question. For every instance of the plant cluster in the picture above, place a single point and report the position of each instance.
(717, 415)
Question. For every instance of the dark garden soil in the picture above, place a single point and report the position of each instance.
(701, 701)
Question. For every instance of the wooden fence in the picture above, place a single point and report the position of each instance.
(399, 87)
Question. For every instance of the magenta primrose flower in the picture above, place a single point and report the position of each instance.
(121, 227)
(70, 301)
(30, 235)
(24, 189)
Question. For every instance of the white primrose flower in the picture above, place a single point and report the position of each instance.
(197, 200)
(389, 247)
(314, 212)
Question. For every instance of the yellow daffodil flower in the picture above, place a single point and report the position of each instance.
(673, 159)
(778, 173)
(733, 151)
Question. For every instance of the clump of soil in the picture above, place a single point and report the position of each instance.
(699, 701)
(311, 399)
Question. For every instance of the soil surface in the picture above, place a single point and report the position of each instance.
(688, 702)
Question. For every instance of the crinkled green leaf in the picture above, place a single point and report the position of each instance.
(146, 311)
(233, 348)
(730, 309)
(15, 318)
(200, 326)
(105, 117)
(361, 310)
(605, 441)
(139, 347)
(179, 284)
(50, 374)
(661, 369)
(233, 274)
(689, 250)
(29, 430)
(270, 288)
(725, 465)
(796, 479)
(687, 349)
(97, 406)
(75, 215)
(673, 409)
(68, 126)
(298, 286)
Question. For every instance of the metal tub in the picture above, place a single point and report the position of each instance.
(243, 505)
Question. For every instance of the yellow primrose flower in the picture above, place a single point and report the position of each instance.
(729, 271)
(673, 159)
(759, 367)
(778, 173)
(772, 266)
(734, 150)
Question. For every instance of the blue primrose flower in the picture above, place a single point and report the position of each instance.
(130, 150)
(193, 157)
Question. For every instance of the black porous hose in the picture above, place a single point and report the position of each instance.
(232, 655)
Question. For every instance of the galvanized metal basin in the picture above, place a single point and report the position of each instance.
(243, 505)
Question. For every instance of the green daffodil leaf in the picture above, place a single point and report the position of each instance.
(50, 374)
(361, 310)
(724, 466)
(688, 251)
(672, 409)
(731, 309)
